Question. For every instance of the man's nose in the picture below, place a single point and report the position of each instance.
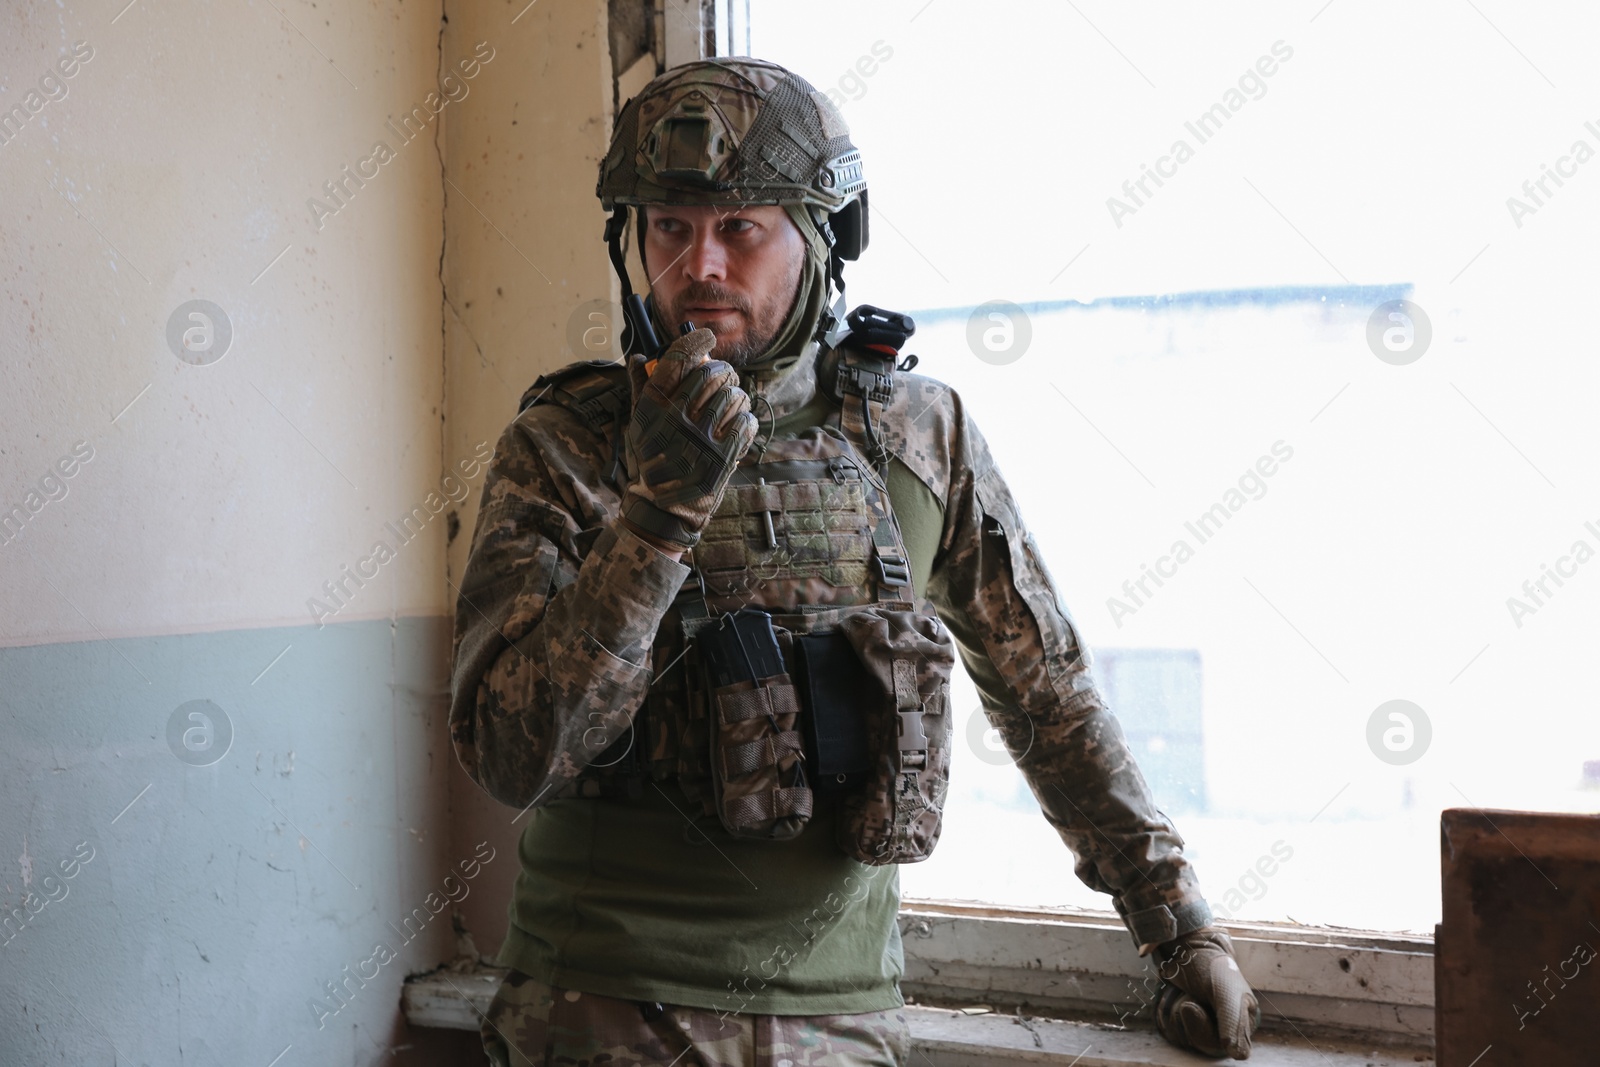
(707, 258)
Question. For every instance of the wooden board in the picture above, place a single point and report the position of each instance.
(1517, 959)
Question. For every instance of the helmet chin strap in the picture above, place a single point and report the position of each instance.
(833, 329)
(638, 335)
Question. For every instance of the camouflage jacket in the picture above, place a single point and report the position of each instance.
(560, 604)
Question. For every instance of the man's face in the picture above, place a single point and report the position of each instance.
(735, 271)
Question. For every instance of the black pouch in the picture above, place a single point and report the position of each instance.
(741, 647)
(832, 682)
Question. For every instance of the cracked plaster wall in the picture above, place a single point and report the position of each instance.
(379, 338)
(187, 160)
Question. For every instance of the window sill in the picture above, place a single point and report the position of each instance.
(948, 1037)
(979, 992)
(1314, 983)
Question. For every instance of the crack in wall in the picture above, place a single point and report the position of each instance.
(444, 285)
(467, 328)
(483, 357)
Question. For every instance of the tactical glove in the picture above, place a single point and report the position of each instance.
(678, 468)
(1204, 1003)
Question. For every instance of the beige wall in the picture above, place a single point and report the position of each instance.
(524, 251)
(190, 144)
(522, 221)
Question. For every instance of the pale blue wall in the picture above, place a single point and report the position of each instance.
(203, 925)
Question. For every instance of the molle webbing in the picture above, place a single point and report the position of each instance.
(754, 755)
(779, 803)
(802, 530)
(760, 702)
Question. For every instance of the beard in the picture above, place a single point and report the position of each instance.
(760, 325)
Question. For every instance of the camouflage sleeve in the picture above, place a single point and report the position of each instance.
(1032, 671)
(554, 622)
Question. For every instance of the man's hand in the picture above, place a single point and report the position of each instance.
(1204, 1003)
(691, 425)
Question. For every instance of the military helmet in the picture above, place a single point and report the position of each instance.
(736, 130)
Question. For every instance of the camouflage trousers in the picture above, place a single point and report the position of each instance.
(530, 1024)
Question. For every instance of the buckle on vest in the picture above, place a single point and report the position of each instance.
(892, 570)
(913, 739)
(864, 382)
(597, 410)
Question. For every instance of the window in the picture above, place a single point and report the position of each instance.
(1334, 345)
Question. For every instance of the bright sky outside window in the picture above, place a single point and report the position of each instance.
(1388, 578)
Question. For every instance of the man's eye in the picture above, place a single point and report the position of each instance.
(743, 224)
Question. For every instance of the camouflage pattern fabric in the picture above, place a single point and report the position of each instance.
(804, 533)
(531, 1024)
(732, 129)
(556, 612)
(824, 505)
(557, 640)
(898, 817)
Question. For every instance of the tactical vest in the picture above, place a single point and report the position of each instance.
(797, 660)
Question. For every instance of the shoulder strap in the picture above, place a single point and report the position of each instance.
(595, 390)
(859, 374)
(860, 382)
(576, 385)
(866, 381)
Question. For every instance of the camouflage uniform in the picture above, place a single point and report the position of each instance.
(560, 605)
(530, 1024)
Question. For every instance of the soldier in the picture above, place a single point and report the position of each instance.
(705, 633)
